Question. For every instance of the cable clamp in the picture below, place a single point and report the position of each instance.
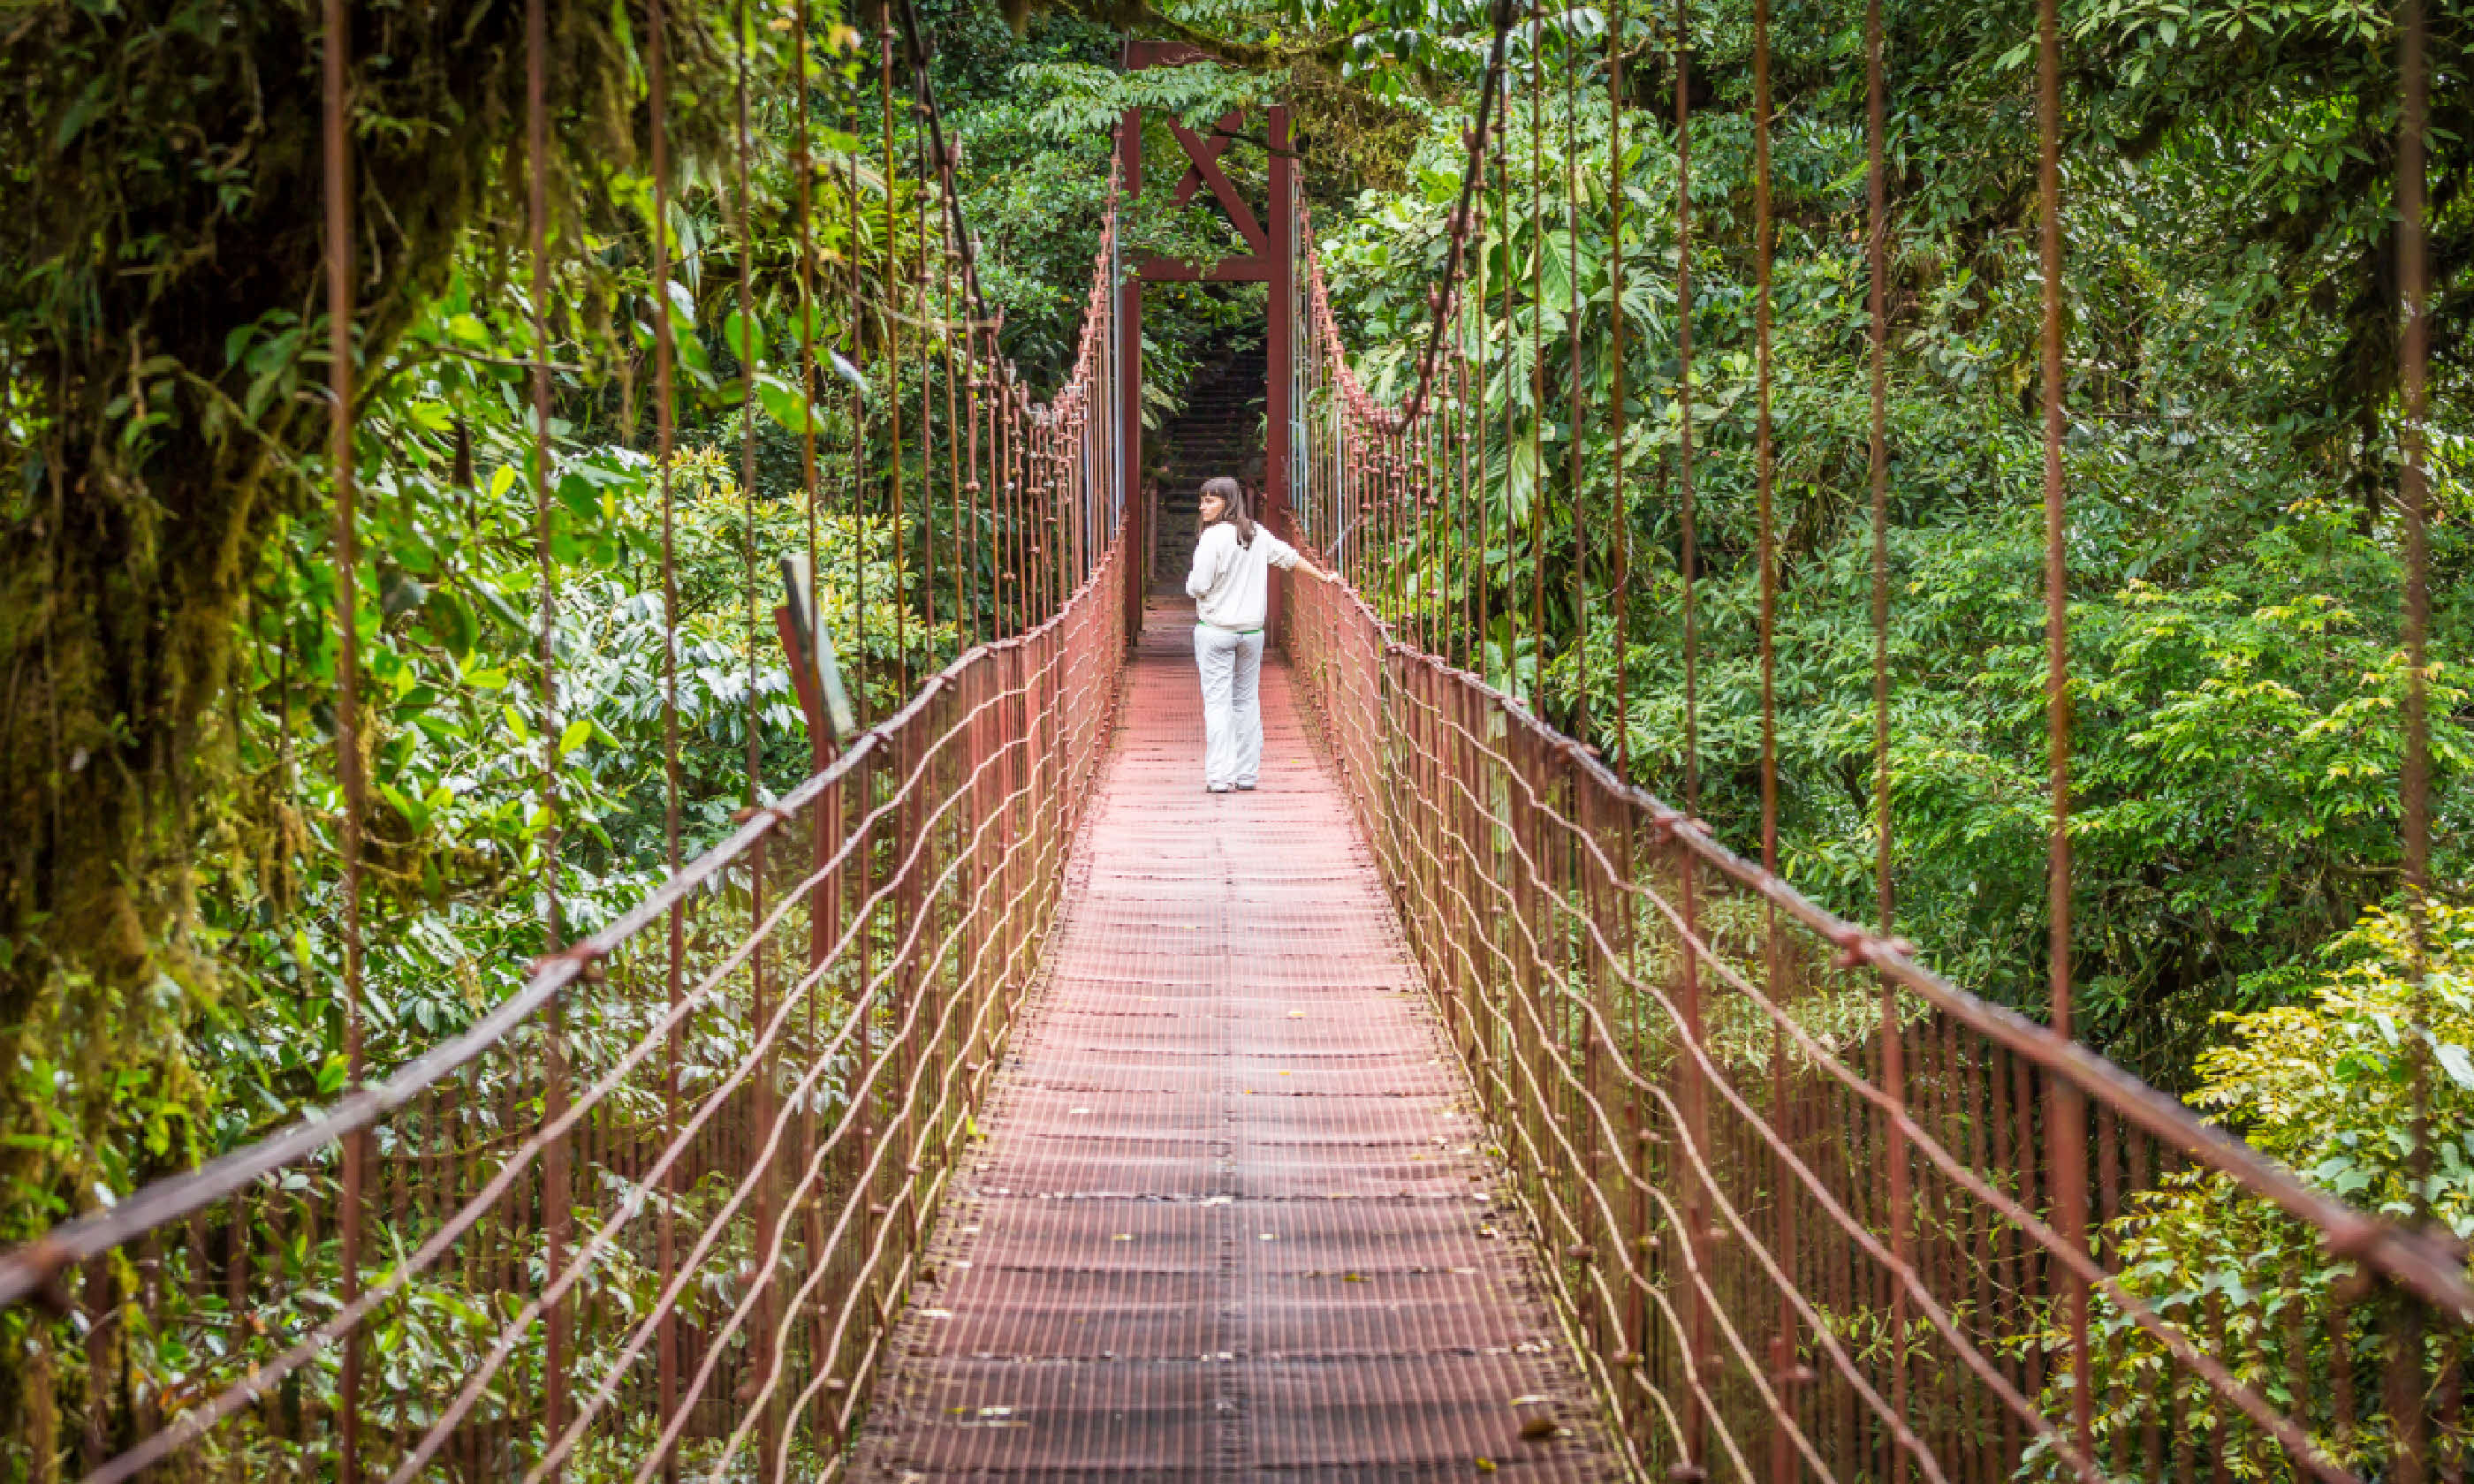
(1858, 947)
(587, 955)
(46, 1260)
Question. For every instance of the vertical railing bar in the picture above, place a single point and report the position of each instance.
(1783, 1360)
(556, 1209)
(2065, 1112)
(1894, 1165)
(2408, 1381)
(1695, 1131)
(340, 313)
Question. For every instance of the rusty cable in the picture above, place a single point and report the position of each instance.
(336, 144)
(664, 425)
(1820, 1055)
(2407, 1388)
(556, 1204)
(2065, 1115)
(1895, 1169)
(1617, 509)
(964, 616)
(1536, 366)
(1580, 709)
(894, 346)
(919, 302)
(1474, 145)
(1784, 1231)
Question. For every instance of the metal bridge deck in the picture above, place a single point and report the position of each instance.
(1228, 1220)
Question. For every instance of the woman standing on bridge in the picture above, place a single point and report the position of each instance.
(1229, 584)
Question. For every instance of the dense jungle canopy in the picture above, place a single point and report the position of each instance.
(169, 887)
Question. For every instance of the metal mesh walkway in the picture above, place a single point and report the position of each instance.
(1228, 1220)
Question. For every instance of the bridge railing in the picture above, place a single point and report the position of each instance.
(1797, 1195)
(655, 1211)
(652, 1213)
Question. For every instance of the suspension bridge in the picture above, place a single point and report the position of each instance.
(1449, 1106)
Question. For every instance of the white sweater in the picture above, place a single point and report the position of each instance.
(1229, 581)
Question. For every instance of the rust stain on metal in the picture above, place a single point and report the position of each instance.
(1231, 1216)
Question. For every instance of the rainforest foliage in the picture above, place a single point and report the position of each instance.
(2235, 588)
(170, 964)
(169, 959)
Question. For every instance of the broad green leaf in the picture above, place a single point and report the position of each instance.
(784, 404)
(746, 338)
(450, 621)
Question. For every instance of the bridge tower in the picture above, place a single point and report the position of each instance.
(1270, 259)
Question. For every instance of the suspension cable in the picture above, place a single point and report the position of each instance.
(1573, 400)
(1695, 1100)
(1892, 1033)
(1537, 365)
(2065, 1111)
(893, 348)
(855, 509)
(556, 1204)
(2407, 1384)
(1489, 85)
(664, 424)
(920, 301)
(336, 141)
(1618, 511)
(965, 616)
(1783, 1233)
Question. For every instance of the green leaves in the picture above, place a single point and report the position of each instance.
(1081, 100)
(1521, 478)
(785, 404)
(450, 620)
(746, 339)
(2237, 741)
(88, 106)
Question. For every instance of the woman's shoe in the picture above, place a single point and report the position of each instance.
(1245, 788)
(1215, 788)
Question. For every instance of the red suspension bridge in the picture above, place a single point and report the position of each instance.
(1450, 1105)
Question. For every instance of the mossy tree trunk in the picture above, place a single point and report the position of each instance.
(159, 308)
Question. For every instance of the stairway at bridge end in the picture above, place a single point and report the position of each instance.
(1220, 432)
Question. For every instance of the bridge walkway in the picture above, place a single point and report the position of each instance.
(1230, 1219)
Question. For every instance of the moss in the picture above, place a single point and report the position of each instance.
(1353, 140)
(160, 219)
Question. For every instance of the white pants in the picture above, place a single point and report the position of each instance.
(1232, 709)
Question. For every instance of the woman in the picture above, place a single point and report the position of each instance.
(1229, 585)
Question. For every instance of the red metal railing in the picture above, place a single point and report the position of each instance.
(1803, 1203)
(1808, 1209)
(653, 1213)
(641, 1219)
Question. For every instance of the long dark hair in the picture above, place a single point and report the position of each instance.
(1232, 505)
